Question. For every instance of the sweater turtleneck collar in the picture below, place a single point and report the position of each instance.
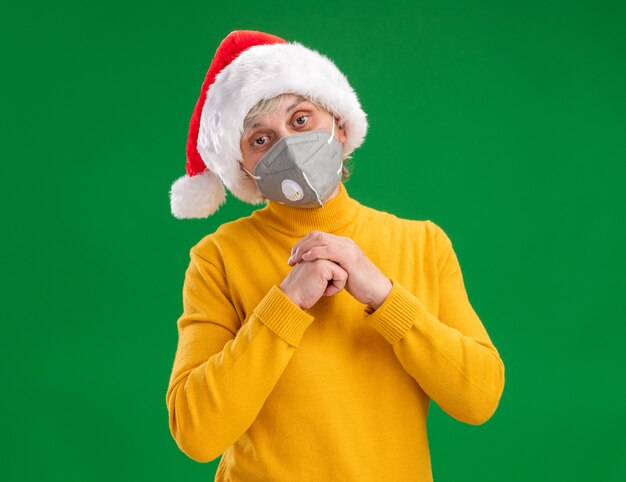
(333, 216)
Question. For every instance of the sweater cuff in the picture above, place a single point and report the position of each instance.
(397, 313)
(283, 316)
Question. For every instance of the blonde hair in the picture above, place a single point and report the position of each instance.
(268, 106)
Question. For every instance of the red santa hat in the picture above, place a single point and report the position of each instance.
(249, 66)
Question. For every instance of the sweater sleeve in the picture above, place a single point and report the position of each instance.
(223, 370)
(451, 357)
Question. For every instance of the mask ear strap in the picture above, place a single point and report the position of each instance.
(256, 177)
(333, 131)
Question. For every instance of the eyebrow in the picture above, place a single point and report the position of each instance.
(291, 107)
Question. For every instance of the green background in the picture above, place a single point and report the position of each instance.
(503, 122)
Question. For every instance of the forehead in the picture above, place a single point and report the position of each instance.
(285, 106)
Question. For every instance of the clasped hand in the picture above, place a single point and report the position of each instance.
(324, 264)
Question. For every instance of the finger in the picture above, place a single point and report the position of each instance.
(332, 252)
(331, 289)
(338, 282)
(317, 241)
(296, 256)
(304, 239)
(314, 238)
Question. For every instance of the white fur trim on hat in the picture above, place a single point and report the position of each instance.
(263, 72)
(196, 196)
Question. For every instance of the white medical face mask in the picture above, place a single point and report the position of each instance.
(301, 170)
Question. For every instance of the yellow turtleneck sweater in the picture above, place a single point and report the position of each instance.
(338, 392)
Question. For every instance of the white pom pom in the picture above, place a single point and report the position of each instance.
(196, 196)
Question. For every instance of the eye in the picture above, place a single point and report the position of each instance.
(257, 143)
(299, 119)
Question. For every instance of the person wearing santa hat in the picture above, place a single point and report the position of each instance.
(315, 331)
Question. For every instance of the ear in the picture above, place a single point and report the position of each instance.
(341, 131)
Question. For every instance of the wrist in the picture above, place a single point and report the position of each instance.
(291, 296)
(381, 295)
